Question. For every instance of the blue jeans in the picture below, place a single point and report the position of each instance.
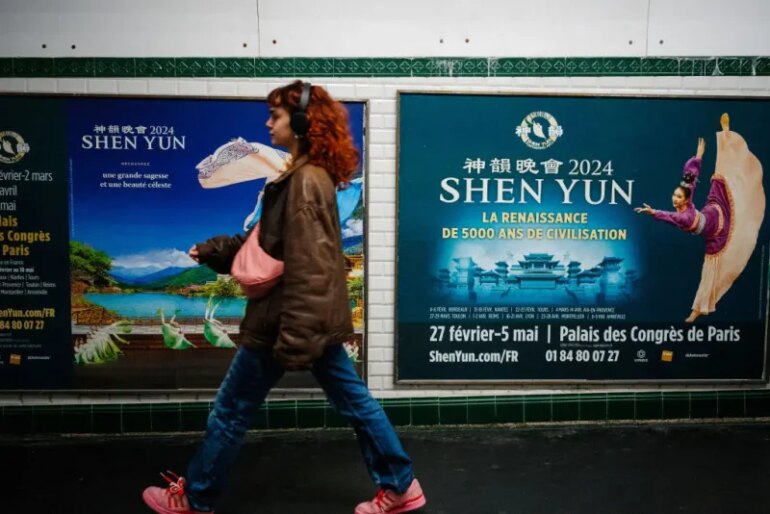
(251, 375)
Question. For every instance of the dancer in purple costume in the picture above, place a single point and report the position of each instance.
(730, 219)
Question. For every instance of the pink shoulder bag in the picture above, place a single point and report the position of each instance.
(254, 269)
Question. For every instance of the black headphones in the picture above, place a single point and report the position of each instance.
(299, 122)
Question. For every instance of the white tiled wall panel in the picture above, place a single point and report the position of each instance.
(375, 28)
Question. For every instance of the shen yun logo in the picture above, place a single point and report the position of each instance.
(539, 130)
(12, 147)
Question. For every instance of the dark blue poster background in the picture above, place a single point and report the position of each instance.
(521, 257)
(34, 293)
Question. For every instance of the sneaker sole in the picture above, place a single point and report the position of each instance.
(160, 509)
(411, 505)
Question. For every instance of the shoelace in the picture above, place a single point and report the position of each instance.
(383, 500)
(175, 491)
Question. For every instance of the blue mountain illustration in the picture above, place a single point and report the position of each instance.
(352, 241)
(145, 275)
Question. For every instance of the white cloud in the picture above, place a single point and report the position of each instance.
(354, 227)
(157, 259)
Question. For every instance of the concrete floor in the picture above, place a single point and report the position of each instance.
(660, 469)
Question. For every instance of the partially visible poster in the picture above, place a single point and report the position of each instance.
(572, 239)
(138, 182)
(34, 292)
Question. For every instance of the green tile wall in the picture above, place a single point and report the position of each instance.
(382, 67)
(283, 414)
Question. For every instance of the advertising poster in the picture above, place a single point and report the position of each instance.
(118, 190)
(34, 280)
(581, 238)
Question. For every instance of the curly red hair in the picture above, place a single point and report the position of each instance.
(328, 142)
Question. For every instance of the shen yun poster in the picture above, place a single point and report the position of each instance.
(570, 239)
(109, 194)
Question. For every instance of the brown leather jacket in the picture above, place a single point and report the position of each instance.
(309, 309)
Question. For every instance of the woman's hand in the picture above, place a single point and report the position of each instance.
(701, 148)
(193, 253)
(645, 210)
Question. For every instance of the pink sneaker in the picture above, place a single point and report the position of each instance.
(170, 500)
(389, 502)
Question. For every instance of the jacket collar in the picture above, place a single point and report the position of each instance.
(295, 165)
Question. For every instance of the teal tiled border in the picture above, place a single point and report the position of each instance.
(104, 67)
(298, 414)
